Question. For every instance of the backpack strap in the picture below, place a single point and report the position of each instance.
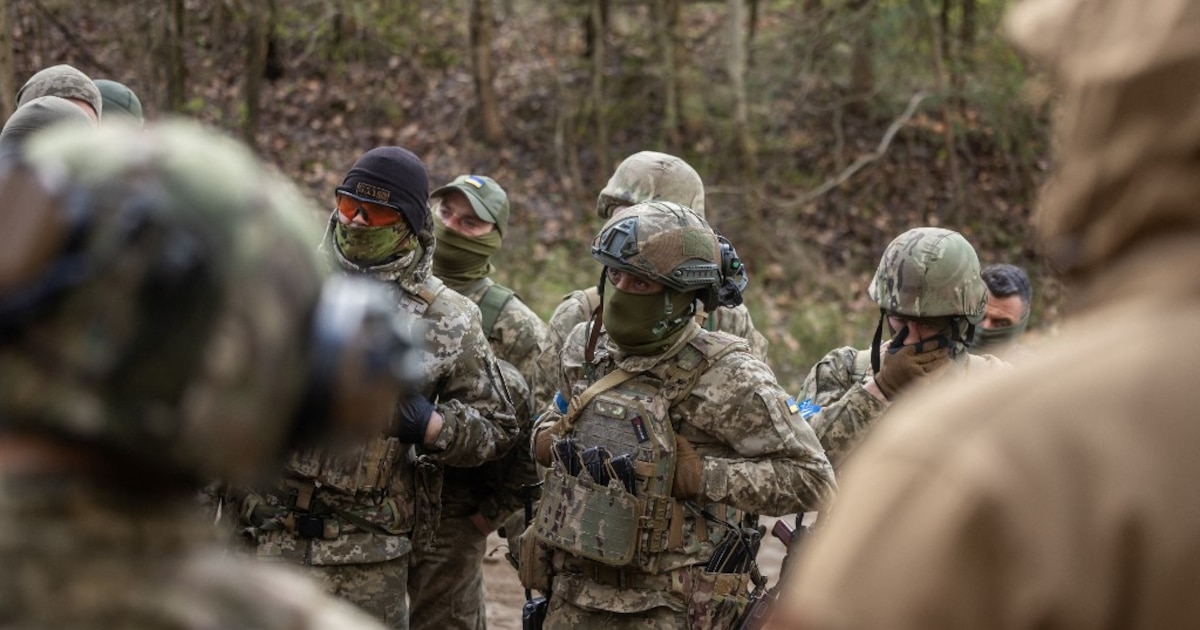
(491, 304)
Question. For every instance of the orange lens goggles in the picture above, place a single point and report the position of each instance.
(375, 215)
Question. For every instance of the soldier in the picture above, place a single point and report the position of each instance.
(359, 516)
(1061, 494)
(643, 176)
(41, 113)
(446, 586)
(119, 102)
(65, 81)
(163, 319)
(930, 297)
(1009, 303)
(674, 439)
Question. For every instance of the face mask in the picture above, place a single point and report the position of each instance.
(991, 339)
(640, 324)
(463, 258)
(367, 246)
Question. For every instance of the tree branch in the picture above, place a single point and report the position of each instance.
(93, 63)
(862, 161)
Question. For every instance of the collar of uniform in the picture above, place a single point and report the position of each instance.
(642, 363)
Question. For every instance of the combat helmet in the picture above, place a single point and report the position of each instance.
(930, 272)
(652, 176)
(161, 301)
(671, 244)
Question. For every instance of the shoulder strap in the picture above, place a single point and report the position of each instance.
(607, 382)
(695, 358)
(490, 305)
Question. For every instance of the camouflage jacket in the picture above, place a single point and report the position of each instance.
(80, 554)
(576, 307)
(518, 334)
(463, 377)
(847, 409)
(759, 456)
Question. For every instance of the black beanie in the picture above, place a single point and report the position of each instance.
(393, 177)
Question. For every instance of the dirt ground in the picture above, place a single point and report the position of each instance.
(505, 596)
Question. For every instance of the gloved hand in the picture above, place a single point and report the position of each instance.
(906, 365)
(543, 443)
(415, 411)
(689, 469)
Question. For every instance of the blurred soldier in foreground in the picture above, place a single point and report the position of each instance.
(163, 320)
(930, 298)
(446, 588)
(67, 82)
(359, 516)
(1010, 300)
(119, 102)
(643, 176)
(1062, 494)
(675, 438)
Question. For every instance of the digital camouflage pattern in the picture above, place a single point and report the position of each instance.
(576, 308)
(36, 115)
(759, 457)
(518, 334)
(930, 272)
(446, 579)
(462, 375)
(79, 553)
(65, 81)
(848, 410)
(652, 176)
(165, 352)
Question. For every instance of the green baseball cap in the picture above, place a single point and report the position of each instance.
(487, 198)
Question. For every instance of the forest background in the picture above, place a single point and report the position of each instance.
(822, 128)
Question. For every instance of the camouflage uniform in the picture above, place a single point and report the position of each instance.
(446, 581)
(36, 115)
(370, 531)
(756, 456)
(1060, 495)
(184, 326)
(643, 176)
(835, 397)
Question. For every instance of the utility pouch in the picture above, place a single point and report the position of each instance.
(533, 614)
(586, 519)
(533, 562)
(715, 600)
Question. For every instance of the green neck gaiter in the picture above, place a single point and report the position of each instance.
(458, 258)
(369, 246)
(646, 324)
(988, 340)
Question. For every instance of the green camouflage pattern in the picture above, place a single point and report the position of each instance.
(79, 553)
(518, 335)
(65, 81)
(376, 588)
(575, 309)
(445, 582)
(848, 410)
(670, 244)
(759, 457)
(930, 272)
(652, 176)
(198, 380)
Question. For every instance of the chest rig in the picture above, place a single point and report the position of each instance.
(607, 496)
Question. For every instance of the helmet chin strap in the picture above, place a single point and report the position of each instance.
(597, 321)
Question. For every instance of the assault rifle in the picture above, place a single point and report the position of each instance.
(761, 602)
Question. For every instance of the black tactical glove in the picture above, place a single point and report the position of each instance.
(902, 367)
(415, 412)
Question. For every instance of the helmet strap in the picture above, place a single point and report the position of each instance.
(597, 321)
(876, 341)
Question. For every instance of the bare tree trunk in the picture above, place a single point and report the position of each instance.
(262, 20)
(958, 214)
(597, 92)
(862, 72)
(173, 43)
(743, 145)
(668, 22)
(8, 87)
(482, 17)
